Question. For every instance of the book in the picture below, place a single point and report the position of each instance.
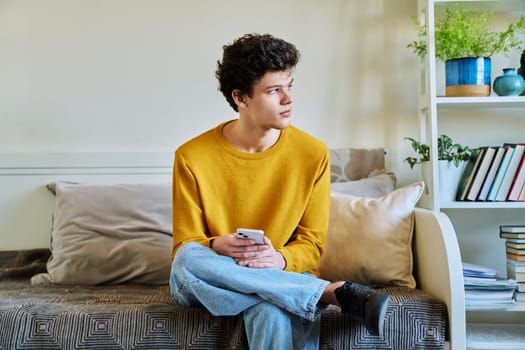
(515, 245)
(466, 176)
(480, 298)
(515, 275)
(515, 240)
(477, 272)
(512, 235)
(515, 251)
(500, 173)
(512, 229)
(518, 182)
(516, 257)
(486, 155)
(510, 172)
(488, 294)
(515, 265)
(491, 174)
(483, 286)
(521, 197)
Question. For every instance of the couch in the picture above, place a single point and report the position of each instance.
(55, 298)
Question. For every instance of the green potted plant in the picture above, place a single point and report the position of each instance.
(463, 39)
(451, 157)
(423, 150)
(447, 151)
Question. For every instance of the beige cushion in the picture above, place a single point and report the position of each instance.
(375, 186)
(109, 234)
(370, 239)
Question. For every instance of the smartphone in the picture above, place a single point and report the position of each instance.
(246, 233)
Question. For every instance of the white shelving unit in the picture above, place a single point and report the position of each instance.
(432, 108)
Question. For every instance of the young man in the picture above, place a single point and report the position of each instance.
(259, 172)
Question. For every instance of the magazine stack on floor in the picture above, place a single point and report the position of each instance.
(485, 288)
(514, 236)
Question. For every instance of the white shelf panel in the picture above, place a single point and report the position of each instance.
(489, 5)
(482, 205)
(495, 336)
(479, 102)
(517, 306)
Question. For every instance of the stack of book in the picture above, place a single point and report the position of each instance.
(514, 236)
(494, 173)
(484, 288)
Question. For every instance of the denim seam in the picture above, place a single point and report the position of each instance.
(313, 310)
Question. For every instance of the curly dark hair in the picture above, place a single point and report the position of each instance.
(250, 57)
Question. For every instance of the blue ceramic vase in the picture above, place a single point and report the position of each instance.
(509, 84)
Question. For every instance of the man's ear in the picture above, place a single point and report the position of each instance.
(239, 98)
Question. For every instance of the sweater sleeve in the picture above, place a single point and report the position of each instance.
(188, 222)
(303, 251)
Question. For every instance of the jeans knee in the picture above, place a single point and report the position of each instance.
(182, 260)
(180, 274)
(267, 313)
(186, 256)
(276, 323)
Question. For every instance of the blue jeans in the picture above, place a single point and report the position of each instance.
(280, 308)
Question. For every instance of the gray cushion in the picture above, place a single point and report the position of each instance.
(374, 187)
(109, 234)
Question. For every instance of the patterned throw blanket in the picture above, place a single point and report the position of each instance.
(146, 317)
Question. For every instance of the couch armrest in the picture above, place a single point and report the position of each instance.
(438, 268)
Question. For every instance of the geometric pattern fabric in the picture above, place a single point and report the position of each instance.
(146, 317)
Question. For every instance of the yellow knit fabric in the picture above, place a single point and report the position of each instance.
(284, 191)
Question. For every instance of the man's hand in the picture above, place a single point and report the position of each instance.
(247, 253)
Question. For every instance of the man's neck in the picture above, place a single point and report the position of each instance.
(249, 139)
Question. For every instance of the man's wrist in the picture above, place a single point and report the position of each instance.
(283, 260)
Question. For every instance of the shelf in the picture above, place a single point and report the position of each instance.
(484, 5)
(517, 306)
(482, 205)
(495, 336)
(439, 114)
(477, 102)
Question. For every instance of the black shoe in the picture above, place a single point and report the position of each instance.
(365, 304)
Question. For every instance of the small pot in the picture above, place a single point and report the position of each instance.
(449, 177)
(468, 76)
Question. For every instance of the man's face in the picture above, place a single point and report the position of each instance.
(270, 106)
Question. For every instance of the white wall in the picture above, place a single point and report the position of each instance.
(126, 76)
(138, 75)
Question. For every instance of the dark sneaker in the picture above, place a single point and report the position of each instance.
(365, 304)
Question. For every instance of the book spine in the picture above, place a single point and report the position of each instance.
(513, 245)
(466, 177)
(512, 228)
(487, 154)
(499, 174)
(510, 173)
(518, 182)
(515, 251)
(487, 183)
(521, 197)
(517, 276)
(516, 257)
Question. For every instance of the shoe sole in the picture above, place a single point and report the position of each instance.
(379, 305)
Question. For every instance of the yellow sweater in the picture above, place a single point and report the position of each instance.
(284, 191)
